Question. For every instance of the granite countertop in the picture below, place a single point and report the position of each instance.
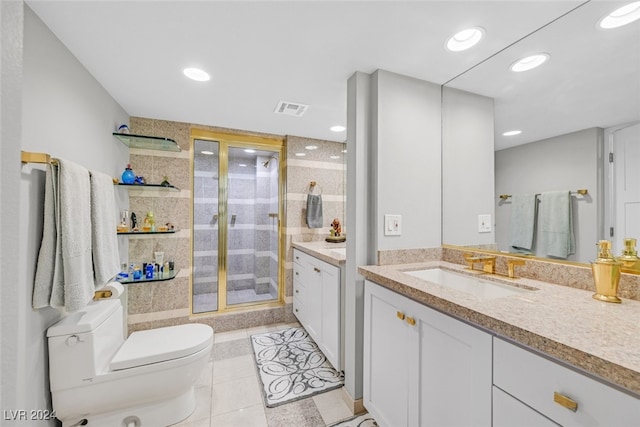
(333, 253)
(566, 323)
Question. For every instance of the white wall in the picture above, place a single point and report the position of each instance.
(406, 136)
(393, 141)
(567, 162)
(67, 114)
(468, 188)
(11, 18)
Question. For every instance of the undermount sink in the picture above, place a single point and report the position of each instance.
(468, 284)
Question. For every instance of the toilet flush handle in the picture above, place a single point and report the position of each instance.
(73, 340)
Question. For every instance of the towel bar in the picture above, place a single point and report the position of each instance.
(582, 192)
(43, 158)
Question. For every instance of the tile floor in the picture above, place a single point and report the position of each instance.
(229, 392)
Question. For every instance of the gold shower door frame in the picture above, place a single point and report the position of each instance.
(225, 141)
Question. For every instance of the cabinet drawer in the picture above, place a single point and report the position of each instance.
(509, 412)
(540, 382)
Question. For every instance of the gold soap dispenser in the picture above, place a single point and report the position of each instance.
(606, 274)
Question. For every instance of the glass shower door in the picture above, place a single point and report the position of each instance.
(252, 238)
(236, 233)
(205, 262)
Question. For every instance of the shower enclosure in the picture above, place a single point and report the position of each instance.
(237, 206)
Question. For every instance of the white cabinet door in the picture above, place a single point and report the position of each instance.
(454, 371)
(386, 357)
(510, 412)
(330, 318)
(316, 303)
(313, 301)
(422, 367)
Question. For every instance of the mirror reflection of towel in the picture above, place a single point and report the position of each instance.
(314, 210)
(556, 224)
(524, 210)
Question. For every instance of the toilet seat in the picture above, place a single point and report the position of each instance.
(162, 344)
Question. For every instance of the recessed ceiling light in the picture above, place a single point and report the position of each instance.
(337, 128)
(208, 153)
(249, 150)
(512, 133)
(530, 62)
(334, 157)
(196, 74)
(242, 165)
(311, 147)
(301, 154)
(344, 151)
(621, 16)
(465, 39)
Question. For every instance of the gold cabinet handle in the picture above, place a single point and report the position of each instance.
(400, 315)
(411, 321)
(565, 401)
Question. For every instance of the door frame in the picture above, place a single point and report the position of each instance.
(611, 185)
(241, 140)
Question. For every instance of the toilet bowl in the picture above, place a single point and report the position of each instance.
(99, 378)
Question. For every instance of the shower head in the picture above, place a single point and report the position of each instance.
(266, 164)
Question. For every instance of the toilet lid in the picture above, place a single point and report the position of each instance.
(158, 345)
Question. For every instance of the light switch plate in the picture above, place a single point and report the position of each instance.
(392, 225)
(484, 223)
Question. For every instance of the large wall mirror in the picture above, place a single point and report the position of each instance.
(572, 111)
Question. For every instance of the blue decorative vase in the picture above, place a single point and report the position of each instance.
(128, 177)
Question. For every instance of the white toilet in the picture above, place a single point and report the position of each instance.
(98, 378)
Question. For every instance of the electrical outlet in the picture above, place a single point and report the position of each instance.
(392, 225)
(484, 223)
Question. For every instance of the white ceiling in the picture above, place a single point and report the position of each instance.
(262, 52)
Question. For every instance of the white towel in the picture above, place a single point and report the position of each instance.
(314, 210)
(104, 241)
(524, 208)
(47, 275)
(69, 281)
(556, 224)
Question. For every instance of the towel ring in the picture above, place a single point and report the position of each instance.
(313, 185)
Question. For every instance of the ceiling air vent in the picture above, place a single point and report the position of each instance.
(290, 108)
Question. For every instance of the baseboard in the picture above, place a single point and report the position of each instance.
(355, 406)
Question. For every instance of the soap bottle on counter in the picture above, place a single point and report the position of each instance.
(606, 274)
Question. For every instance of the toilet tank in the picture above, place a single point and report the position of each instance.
(82, 343)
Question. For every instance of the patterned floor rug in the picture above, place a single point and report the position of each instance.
(365, 420)
(291, 366)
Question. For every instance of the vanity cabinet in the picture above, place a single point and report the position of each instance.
(422, 367)
(561, 394)
(316, 302)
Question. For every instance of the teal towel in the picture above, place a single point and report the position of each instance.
(524, 209)
(556, 224)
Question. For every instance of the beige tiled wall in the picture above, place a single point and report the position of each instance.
(157, 304)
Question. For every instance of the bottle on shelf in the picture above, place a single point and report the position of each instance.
(128, 177)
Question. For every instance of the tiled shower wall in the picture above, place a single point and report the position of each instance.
(157, 304)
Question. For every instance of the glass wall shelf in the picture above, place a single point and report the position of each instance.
(133, 233)
(150, 186)
(147, 142)
(157, 277)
